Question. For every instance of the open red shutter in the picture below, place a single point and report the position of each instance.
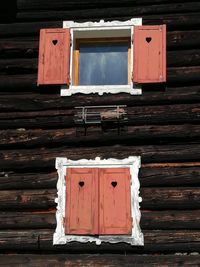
(149, 54)
(115, 201)
(54, 56)
(81, 215)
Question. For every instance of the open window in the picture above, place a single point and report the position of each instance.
(98, 201)
(102, 57)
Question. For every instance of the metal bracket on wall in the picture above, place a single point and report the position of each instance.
(107, 118)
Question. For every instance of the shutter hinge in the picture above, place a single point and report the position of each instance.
(70, 40)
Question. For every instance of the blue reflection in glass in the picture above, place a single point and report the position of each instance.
(103, 64)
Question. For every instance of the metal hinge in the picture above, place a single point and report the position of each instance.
(70, 40)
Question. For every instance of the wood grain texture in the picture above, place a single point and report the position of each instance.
(110, 12)
(76, 4)
(45, 158)
(37, 101)
(148, 133)
(109, 260)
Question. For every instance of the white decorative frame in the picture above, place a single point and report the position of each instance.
(101, 29)
(132, 162)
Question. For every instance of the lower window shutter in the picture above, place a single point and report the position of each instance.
(115, 201)
(54, 57)
(149, 60)
(81, 214)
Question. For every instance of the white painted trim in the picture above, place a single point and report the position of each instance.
(109, 89)
(102, 23)
(101, 28)
(132, 162)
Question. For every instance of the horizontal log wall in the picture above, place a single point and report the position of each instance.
(36, 126)
(99, 260)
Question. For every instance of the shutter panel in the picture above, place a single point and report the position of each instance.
(81, 201)
(149, 54)
(115, 201)
(54, 56)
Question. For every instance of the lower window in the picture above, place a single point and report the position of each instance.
(98, 201)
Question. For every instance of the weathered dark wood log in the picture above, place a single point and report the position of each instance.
(136, 116)
(15, 82)
(174, 219)
(183, 74)
(173, 21)
(155, 241)
(110, 12)
(183, 39)
(172, 175)
(32, 138)
(27, 28)
(61, 260)
(154, 220)
(45, 158)
(13, 48)
(183, 58)
(30, 199)
(19, 240)
(31, 102)
(60, 4)
(28, 220)
(10, 180)
(170, 198)
(175, 174)
(18, 66)
(153, 198)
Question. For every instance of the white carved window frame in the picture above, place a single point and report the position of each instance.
(101, 29)
(133, 163)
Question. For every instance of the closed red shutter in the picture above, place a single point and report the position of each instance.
(81, 201)
(115, 201)
(54, 56)
(149, 54)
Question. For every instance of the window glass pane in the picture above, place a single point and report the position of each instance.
(103, 63)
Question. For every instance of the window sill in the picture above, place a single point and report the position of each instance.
(100, 90)
(134, 241)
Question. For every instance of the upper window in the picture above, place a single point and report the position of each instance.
(102, 61)
(102, 57)
(98, 201)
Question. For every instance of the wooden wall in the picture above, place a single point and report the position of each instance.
(36, 126)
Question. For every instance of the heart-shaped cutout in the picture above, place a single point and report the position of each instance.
(54, 42)
(81, 183)
(148, 39)
(114, 184)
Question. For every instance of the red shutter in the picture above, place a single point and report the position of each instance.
(54, 56)
(81, 201)
(115, 201)
(149, 54)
